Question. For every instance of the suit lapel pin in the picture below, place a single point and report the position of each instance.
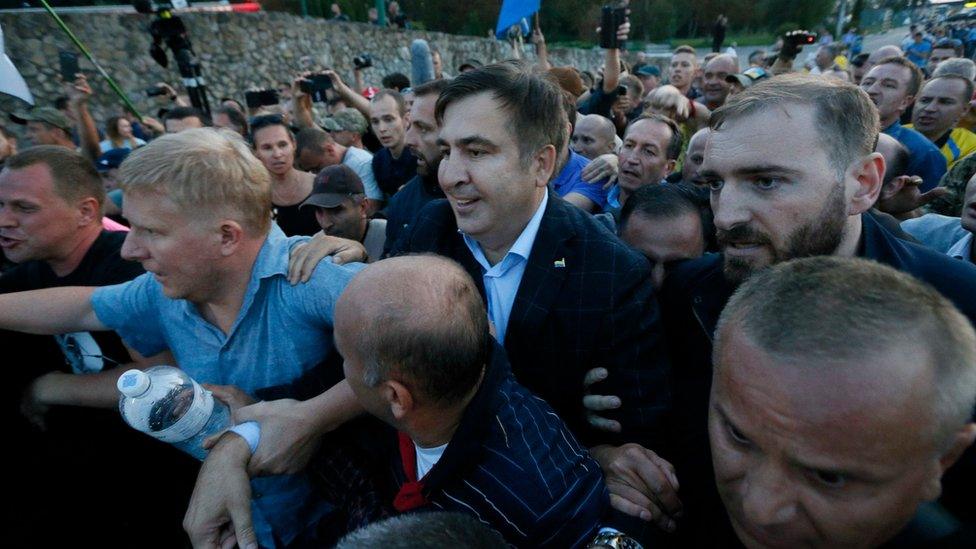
(559, 263)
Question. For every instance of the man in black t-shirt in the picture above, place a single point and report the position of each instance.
(51, 226)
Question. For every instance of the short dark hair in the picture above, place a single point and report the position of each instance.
(75, 177)
(179, 113)
(425, 531)
(396, 81)
(397, 97)
(311, 138)
(267, 121)
(916, 73)
(860, 59)
(432, 87)
(685, 48)
(533, 102)
(668, 201)
(677, 138)
(898, 163)
(656, 201)
(846, 118)
(235, 116)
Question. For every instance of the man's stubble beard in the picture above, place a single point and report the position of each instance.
(822, 236)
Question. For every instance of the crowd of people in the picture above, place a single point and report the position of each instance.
(717, 303)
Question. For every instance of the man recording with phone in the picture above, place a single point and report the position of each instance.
(613, 33)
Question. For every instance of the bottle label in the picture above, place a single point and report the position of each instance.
(193, 420)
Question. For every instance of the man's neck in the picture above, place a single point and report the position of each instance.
(935, 136)
(622, 195)
(397, 150)
(222, 307)
(363, 229)
(67, 262)
(684, 89)
(852, 236)
(496, 246)
(888, 121)
(436, 426)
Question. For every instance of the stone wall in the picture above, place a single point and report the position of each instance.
(238, 52)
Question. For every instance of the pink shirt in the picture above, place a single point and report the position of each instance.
(110, 225)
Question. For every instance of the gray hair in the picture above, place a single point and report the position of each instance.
(828, 310)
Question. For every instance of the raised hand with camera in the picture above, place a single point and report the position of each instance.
(349, 95)
(601, 100)
(301, 101)
(793, 42)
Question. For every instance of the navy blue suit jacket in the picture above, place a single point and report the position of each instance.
(585, 300)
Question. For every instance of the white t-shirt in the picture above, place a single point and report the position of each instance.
(427, 458)
(361, 162)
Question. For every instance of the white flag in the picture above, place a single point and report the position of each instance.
(11, 82)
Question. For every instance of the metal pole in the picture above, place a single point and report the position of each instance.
(841, 15)
(115, 87)
(381, 12)
(304, 4)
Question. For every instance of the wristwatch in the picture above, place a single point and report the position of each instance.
(614, 540)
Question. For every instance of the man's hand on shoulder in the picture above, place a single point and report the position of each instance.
(305, 257)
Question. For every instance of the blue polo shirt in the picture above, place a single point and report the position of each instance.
(281, 334)
(924, 158)
(502, 279)
(570, 180)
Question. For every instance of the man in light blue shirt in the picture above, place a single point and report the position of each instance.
(503, 278)
(952, 236)
(216, 294)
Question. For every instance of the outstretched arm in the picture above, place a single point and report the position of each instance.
(50, 311)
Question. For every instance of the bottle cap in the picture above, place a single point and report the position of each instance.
(133, 383)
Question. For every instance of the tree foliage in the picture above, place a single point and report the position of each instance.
(652, 20)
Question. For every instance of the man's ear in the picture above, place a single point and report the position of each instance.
(907, 102)
(869, 174)
(961, 440)
(893, 187)
(231, 236)
(399, 398)
(544, 164)
(89, 211)
(672, 164)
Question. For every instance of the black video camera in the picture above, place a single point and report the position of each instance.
(363, 61)
(316, 85)
(794, 41)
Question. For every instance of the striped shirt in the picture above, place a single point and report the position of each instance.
(514, 465)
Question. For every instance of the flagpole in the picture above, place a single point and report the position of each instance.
(115, 87)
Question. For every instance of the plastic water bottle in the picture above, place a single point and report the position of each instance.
(165, 403)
